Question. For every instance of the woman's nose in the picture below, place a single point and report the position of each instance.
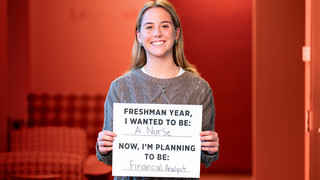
(157, 32)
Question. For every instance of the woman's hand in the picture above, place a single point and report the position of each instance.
(105, 141)
(210, 141)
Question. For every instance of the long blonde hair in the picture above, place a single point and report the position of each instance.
(138, 56)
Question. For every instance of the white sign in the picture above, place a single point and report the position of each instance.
(156, 140)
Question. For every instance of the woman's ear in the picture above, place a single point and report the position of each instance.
(177, 33)
(138, 36)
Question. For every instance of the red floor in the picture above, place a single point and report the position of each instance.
(224, 177)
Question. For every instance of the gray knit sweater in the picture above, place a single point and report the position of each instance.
(138, 87)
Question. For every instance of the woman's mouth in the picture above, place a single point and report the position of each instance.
(157, 43)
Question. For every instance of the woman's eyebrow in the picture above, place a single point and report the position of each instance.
(147, 23)
(166, 22)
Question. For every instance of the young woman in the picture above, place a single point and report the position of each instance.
(160, 74)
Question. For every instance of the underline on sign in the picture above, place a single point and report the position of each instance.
(156, 171)
(156, 135)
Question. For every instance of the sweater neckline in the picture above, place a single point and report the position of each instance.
(160, 81)
(181, 71)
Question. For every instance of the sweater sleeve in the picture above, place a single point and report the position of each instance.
(108, 121)
(208, 123)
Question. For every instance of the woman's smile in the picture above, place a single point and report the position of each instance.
(157, 43)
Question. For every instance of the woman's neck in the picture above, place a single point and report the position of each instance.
(161, 68)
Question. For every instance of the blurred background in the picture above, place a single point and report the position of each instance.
(60, 56)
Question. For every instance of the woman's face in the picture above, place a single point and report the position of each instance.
(157, 33)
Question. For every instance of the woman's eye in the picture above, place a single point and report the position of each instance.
(165, 26)
(148, 27)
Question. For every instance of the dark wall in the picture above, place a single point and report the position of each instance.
(217, 38)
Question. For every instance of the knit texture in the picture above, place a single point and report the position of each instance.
(138, 87)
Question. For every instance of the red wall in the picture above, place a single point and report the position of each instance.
(58, 46)
(80, 46)
(278, 86)
(217, 38)
(3, 73)
(18, 58)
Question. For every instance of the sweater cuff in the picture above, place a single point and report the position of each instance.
(106, 158)
(207, 159)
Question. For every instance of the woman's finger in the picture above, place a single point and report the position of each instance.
(210, 150)
(104, 150)
(206, 138)
(108, 133)
(105, 143)
(105, 138)
(209, 144)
